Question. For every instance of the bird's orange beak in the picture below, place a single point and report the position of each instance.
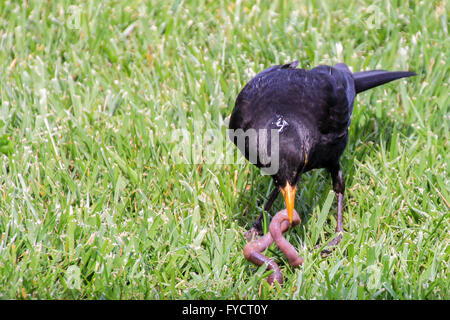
(289, 197)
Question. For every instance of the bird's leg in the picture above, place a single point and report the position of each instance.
(256, 229)
(339, 188)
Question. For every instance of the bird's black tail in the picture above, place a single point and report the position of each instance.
(365, 80)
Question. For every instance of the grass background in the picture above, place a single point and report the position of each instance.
(93, 206)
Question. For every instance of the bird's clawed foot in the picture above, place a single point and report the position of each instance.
(325, 252)
(256, 230)
(252, 234)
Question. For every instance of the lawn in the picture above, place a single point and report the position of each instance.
(94, 204)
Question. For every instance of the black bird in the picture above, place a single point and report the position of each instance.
(310, 110)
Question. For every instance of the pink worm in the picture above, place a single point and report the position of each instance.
(253, 250)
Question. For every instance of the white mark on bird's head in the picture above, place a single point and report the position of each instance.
(280, 123)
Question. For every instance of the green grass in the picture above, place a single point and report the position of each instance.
(92, 205)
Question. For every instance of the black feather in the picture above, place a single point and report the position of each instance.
(369, 79)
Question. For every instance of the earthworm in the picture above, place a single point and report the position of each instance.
(253, 250)
(276, 230)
